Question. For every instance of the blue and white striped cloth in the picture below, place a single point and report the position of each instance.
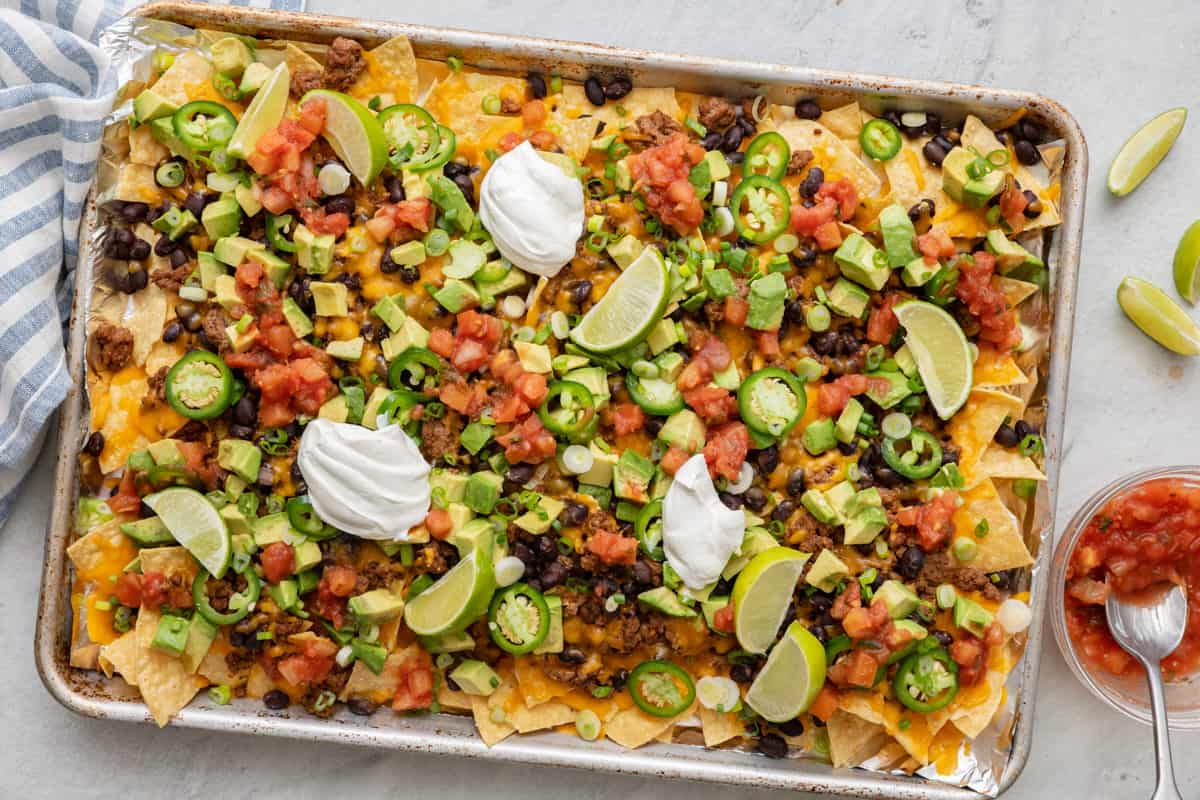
(55, 90)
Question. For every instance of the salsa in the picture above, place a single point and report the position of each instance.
(1144, 536)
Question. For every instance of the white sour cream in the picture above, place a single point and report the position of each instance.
(532, 210)
(370, 484)
(699, 532)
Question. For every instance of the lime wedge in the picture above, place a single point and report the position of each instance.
(458, 598)
(1141, 153)
(792, 677)
(354, 133)
(1187, 264)
(195, 524)
(762, 594)
(633, 303)
(940, 349)
(1159, 316)
(264, 113)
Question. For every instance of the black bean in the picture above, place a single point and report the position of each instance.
(618, 87)
(1023, 429)
(178, 258)
(767, 459)
(795, 482)
(873, 455)
(466, 186)
(783, 511)
(115, 246)
(820, 633)
(925, 208)
(812, 182)
(824, 343)
(520, 473)
(1034, 208)
(946, 140)
(712, 140)
(1027, 154)
(821, 601)
(803, 257)
(553, 574)
(747, 125)
(910, 563)
(730, 500)
(362, 707)
(351, 281)
(172, 332)
(755, 499)
(887, 477)
(241, 432)
(735, 159)
(572, 655)
(581, 292)
(1030, 130)
(642, 573)
(94, 444)
(455, 168)
(547, 549)
(944, 639)
(849, 341)
(741, 673)
(245, 412)
(772, 745)
(184, 309)
(934, 153)
(574, 514)
(808, 109)
(933, 123)
(266, 476)
(135, 212)
(537, 85)
(410, 275)
(949, 455)
(847, 448)
(164, 246)
(732, 139)
(594, 91)
(619, 679)
(340, 204)
(395, 188)
(276, 700)
(793, 727)
(522, 552)
(653, 425)
(1006, 436)
(139, 250)
(137, 280)
(196, 201)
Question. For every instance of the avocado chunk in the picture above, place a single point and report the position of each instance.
(768, 295)
(446, 195)
(603, 461)
(669, 364)
(225, 292)
(899, 599)
(409, 254)
(150, 105)
(827, 572)
(596, 381)
(201, 635)
(232, 249)
(553, 643)
(274, 528)
(221, 219)
(819, 506)
(666, 601)
(277, 269)
(461, 518)
(240, 457)
(684, 430)
(970, 616)
(246, 200)
(377, 606)
(533, 357)
(961, 187)
(898, 388)
(147, 532)
(719, 284)
(919, 272)
(457, 295)
(235, 520)
(171, 634)
(819, 436)
(166, 453)
(373, 655)
(391, 312)
(898, 235)
(729, 378)
(912, 627)
(308, 555)
(175, 222)
(846, 427)
(662, 336)
(336, 408)
(411, 334)
(330, 299)
(451, 485)
(314, 253)
(489, 290)
(755, 540)
(631, 476)
(163, 129)
(482, 492)
(841, 497)
(625, 250)
(209, 269)
(863, 526)
(230, 56)
(539, 519)
(297, 320)
(459, 642)
(848, 299)
(475, 677)
(286, 594)
(254, 77)
(860, 262)
(1008, 253)
(346, 349)
(709, 609)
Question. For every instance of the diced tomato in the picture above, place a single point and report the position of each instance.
(506, 367)
(844, 193)
(833, 396)
(827, 703)
(312, 115)
(315, 386)
(660, 174)
(380, 227)
(531, 387)
(128, 589)
(735, 310)
(316, 220)
(272, 143)
(866, 623)
(971, 656)
(249, 273)
(714, 404)
(613, 548)
(340, 580)
(528, 442)
(262, 164)
(723, 618)
(414, 690)
(882, 324)
(465, 398)
(715, 353)
(278, 340)
(627, 418)
(126, 500)
(997, 323)
(469, 355)
(767, 343)
(278, 559)
(441, 341)
(543, 140)
(508, 407)
(726, 449)
(935, 244)
(154, 589)
(509, 141)
(302, 669)
(1012, 206)
(533, 113)
(673, 459)
(438, 522)
(696, 373)
(476, 339)
(275, 414)
(807, 219)
(195, 455)
(933, 520)
(828, 236)
(412, 215)
(857, 669)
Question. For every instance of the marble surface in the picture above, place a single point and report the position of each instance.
(1112, 64)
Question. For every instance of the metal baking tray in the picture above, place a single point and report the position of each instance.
(91, 695)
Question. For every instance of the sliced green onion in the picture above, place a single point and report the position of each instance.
(437, 241)
(695, 127)
(490, 104)
(808, 369)
(644, 369)
(223, 182)
(946, 595)
(555, 84)
(758, 108)
(875, 357)
(577, 459)
(724, 219)
(1024, 488)
(881, 548)
(454, 63)
(345, 656)
(595, 223)
(965, 549)
(324, 701)
(786, 242)
(720, 193)
(560, 325)
(333, 179)
(221, 695)
(999, 157)
(524, 334)
(896, 425)
(587, 725)
(170, 174)
(817, 318)
(512, 306)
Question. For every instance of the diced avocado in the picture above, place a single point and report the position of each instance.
(913, 628)
(377, 606)
(346, 349)
(848, 299)
(596, 381)
(411, 334)
(273, 528)
(409, 254)
(335, 409)
(163, 129)
(314, 253)
(231, 56)
(631, 476)
(897, 391)
(603, 461)
(209, 269)
(669, 364)
(684, 430)
(166, 453)
(452, 485)
(905, 361)
(564, 162)
(391, 312)
(898, 235)
(201, 635)
(150, 105)
(533, 357)
(457, 295)
(374, 656)
(866, 498)
(330, 299)
(254, 77)
(662, 336)
(277, 269)
(719, 284)
(717, 165)
(755, 540)
(553, 643)
(286, 594)
(919, 272)
(978, 192)
(308, 555)
(1008, 253)
(899, 599)
(827, 571)
(175, 222)
(461, 518)
(297, 320)
(819, 436)
(818, 505)
(147, 532)
(729, 378)
(235, 520)
(863, 527)
(482, 492)
(566, 362)
(240, 457)
(242, 334)
(446, 195)
(841, 496)
(624, 179)
(625, 250)
(474, 436)
(660, 485)
(847, 422)
(961, 187)
(225, 291)
(247, 200)
(375, 402)
(475, 677)
(689, 597)
(171, 635)
(970, 616)
(459, 642)
(666, 601)
(513, 279)
(860, 262)
(221, 219)
(709, 609)
(539, 519)
(768, 296)
(232, 249)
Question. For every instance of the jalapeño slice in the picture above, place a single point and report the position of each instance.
(412, 134)
(761, 209)
(409, 369)
(303, 517)
(768, 154)
(648, 529)
(661, 689)
(199, 385)
(572, 413)
(397, 407)
(203, 125)
(927, 680)
(771, 401)
(240, 603)
(922, 458)
(658, 397)
(447, 144)
(278, 229)
(880, 139)
(519, 619)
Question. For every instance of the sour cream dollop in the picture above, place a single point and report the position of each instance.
(533, 211)
(370, 484)
(700, 532)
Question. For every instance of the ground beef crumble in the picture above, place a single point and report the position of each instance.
(343, 64)
(113, 346)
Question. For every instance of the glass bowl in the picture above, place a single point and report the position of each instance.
(1128, 695)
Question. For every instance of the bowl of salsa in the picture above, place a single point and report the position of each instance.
(1136, 532)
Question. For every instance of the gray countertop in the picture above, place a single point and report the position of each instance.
(1112, 65)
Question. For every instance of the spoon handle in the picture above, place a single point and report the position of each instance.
(1165, 788)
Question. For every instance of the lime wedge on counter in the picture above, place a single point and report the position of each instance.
(632, 305)
(1139, 155)
(457, 599)
(1187, 264)
(943, 357)
(263, 114)
(762, 594)
(1159, 316)
(792, 677)
(195, 524)
(354, 133)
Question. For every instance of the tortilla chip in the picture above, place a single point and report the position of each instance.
(633, 727)
(299, 61)
(85, 657)
(622, 113)
(215, 669)
(259, 682)
(845, 122)
(1050, 215)
(575, 135)
(491, 732)
(391, 73)
(831, 154)
(912, 178)
(540, 717)
(171, 562)
(163, 355)
(973, 427)
(189, 68)
(889, 756)
(720, 726)
(994, 368)
(144, 148)
(1001, 462)
(1015, 291)
(121, 656)
(1024, 391)
(88, 553)
(452, 699)
(1003, 546)
(533, 684)
(135, 184)
(971, 720)
(377, 688)
(165, 684)
(852, 739)
(915, 738)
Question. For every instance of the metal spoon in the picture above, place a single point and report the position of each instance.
(1150, 626)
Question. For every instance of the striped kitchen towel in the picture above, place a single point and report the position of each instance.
(55, 90)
